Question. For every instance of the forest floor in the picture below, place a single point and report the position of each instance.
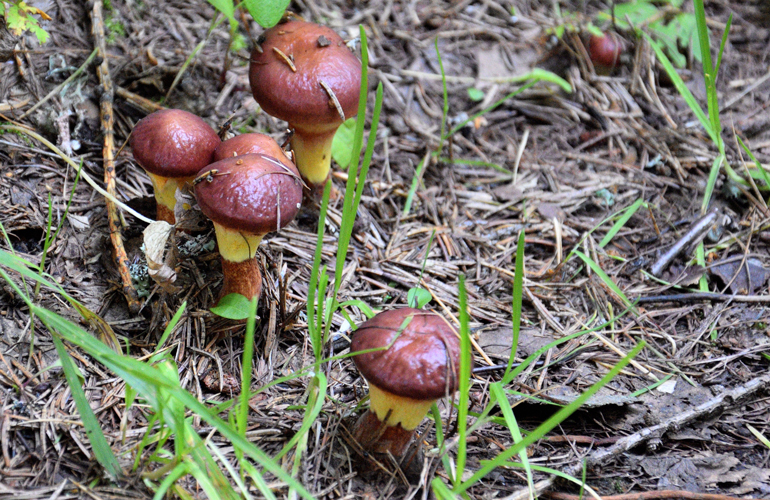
(559, 166)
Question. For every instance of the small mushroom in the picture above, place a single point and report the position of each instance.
(420, 365)
(605, 52)
(172, 145)
(246, 197)
(304, 74)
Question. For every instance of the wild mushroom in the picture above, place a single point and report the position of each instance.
(172, 145)
(246, 197)
(304, 74)
(419, 366)
(251, 143)
(605, 52)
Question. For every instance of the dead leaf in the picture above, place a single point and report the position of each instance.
(745, 282)
(159, 264)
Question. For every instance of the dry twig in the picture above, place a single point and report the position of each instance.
(105, 107)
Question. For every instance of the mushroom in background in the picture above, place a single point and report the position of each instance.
(172, 145)
(420, 366)
(304, 74)
(605, 52)
(247, 197)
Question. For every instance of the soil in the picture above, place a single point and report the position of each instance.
(558, 166)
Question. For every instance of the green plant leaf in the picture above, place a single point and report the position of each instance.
(93, 428)
(233, 306)
(418, 297)
(226, 7)
(266, 13)
(637, 12)
(342, 144)
(475, 94)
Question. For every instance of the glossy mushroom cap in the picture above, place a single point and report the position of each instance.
(249, 195)
(252, 143)
(173, 143)
(605, 51)
(297, 95)
(304, 74)
(421, 365)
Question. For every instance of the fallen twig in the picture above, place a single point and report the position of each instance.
(648, 495)
(138, 101)
(696, 233)
(603, 456)
(105, 106)
(698, 296)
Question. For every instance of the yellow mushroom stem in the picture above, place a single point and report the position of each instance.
(165, 194)
(240, 269)
(407, 412)
(313, 155)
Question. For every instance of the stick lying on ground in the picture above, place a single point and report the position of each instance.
(604, 456)
(105, 107)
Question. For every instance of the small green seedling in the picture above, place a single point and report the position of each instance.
(419, 297)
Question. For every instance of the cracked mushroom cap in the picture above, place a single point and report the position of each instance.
(290, 67)
(253, 193)
(252, 143)
(422, 363)
(173, 143)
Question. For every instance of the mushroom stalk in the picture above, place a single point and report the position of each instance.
(240, 270)
(313, 156)
(165, 195)
(390, 422)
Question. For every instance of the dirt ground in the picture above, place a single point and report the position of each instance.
(568, 162)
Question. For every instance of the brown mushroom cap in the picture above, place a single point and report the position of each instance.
(423, 362)
(252, 143)
(173, 143)
(298, 97)
(244, 192)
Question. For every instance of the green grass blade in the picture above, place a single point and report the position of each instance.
(316, 395)
(607, 280)
(518, 293)
(246, 368)
(445, 108)
(763, 173)
(712, 182)
(555, 472)
(683, 90)
(549, 424)
(507, 379)
(497, 392)
(99, 444)
(465, 382)
(627, 214)
(441, 490)
(169, 329)
(722, 44)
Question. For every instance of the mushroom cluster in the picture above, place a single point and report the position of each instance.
(247, 185)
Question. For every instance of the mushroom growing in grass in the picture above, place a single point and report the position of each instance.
(304, 74)
(172, 145)
(417, 363)
(247, 197)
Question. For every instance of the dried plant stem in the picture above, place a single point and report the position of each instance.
(106, 112)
